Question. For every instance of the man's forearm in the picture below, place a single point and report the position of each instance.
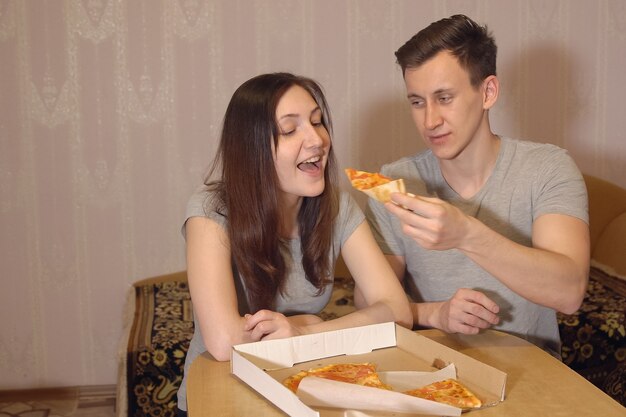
(543, 276)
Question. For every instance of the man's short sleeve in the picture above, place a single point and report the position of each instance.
(560, 188)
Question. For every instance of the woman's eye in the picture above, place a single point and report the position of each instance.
(287, 132)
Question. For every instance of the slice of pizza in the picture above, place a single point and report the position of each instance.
(448, 391)
(354, 373)
(374, 184)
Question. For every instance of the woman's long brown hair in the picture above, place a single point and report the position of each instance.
(248, 189)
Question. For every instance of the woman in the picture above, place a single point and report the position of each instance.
(263, 238)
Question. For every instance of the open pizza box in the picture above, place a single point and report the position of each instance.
(396, 351)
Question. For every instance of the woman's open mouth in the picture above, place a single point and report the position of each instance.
(311, 165)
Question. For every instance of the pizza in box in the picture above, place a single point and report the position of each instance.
(448, 391)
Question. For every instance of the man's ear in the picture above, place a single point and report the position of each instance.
(491, 89)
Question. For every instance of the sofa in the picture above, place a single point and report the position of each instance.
(594, 338)
(159, 321)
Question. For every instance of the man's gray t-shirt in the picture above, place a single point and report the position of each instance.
(529, 180)
(299, 295)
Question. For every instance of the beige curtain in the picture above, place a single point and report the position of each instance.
(110, 110)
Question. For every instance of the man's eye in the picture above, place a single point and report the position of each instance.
(445, 99)
(417, 103)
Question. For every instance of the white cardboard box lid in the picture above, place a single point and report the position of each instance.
(285, 353)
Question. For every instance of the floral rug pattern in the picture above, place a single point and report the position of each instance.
(594, 338)
(161, 333)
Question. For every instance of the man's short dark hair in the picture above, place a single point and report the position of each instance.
(470, 43)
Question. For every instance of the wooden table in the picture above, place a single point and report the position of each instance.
(537, 383)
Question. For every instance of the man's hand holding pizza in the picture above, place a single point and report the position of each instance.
(433, 223)
(437, 225)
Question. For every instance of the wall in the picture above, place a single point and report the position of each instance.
(110, 110)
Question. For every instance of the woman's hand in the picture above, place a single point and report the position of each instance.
(266, 324)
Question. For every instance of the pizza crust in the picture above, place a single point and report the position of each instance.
(383, 192)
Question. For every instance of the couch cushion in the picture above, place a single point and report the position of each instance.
(594, 338)
(158, 342)
(610, 248)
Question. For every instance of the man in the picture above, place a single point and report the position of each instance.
(493, 232)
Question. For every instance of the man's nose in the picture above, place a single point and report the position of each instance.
(432, 117)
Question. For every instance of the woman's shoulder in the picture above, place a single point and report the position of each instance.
(346, 201)
(349, 211)
(204, 202)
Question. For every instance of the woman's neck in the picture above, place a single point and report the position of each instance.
(289, 209)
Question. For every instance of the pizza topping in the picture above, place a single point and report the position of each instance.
(353, 373)
(448, 391)
(362, 180)
(375, 185)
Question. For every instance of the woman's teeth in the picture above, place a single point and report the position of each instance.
(312, 160)
(309, 163)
